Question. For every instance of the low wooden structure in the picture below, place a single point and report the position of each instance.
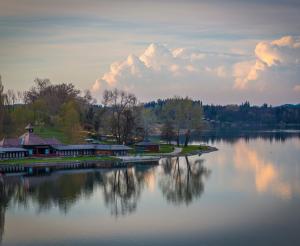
(91, 149)
(12, 153)
(147, 146)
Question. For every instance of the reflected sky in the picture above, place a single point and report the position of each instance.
(247, 193)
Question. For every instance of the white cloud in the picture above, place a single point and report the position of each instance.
(273, 72)
(297, 88)
(280, 53)
(159, 64)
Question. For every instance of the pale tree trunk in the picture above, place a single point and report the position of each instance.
(187, 137)
(178, 137)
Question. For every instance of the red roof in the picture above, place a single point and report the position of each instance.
(29, 138)
(52, 141)
(10, 142)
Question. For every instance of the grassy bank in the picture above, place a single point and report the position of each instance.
(59, 159)
(194, 148)
(166, 148)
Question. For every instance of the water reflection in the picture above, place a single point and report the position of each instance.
(233, 135)
(267, 175)
(122, 189)
(252, 190)
(182, 181)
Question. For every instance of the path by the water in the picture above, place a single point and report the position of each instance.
(176, 151)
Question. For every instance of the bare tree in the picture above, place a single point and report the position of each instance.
(11, 98)
(168, 132)
(120, 107)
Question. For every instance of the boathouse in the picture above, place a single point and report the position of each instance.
(91, 149)
(36, 145)
(31, 145)
(115, 149)
(147, 146)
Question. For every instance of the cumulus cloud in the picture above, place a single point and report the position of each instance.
(280, 53)
(159, 71)
(297, 88)
(159, 64)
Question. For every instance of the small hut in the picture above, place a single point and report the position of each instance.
(147, 146)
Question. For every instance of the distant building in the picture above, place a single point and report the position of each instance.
(91, 149)
(147, 146)
(31, 145)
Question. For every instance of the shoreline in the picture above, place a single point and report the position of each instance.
(105, 162)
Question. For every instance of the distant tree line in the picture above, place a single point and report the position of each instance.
(242, 114)
(120, 117)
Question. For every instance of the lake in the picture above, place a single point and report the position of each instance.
(246, 193)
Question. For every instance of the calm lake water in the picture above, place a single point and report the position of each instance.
(247, 193)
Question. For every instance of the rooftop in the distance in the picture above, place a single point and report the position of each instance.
(29, 138)
(146, 143)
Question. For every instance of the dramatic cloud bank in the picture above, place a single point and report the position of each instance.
(283, 53)
(161, 72)
(166, 68)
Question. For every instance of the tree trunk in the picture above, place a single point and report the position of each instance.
(187, 137)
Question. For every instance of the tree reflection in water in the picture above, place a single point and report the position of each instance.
(8, 192)
(122, 189)
(182, 181)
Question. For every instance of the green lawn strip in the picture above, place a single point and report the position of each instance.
(58, 159)
(166, 148)
(193, 148)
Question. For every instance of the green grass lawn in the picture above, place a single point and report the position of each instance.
(59, 159)
(166, 148)
(192, 148)
(50, 132)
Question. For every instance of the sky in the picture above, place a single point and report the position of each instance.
(217, 51)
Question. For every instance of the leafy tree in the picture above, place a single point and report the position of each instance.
(185, 116)
(147, 120)
(167, 132)
(70, 121)
(53, 96)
